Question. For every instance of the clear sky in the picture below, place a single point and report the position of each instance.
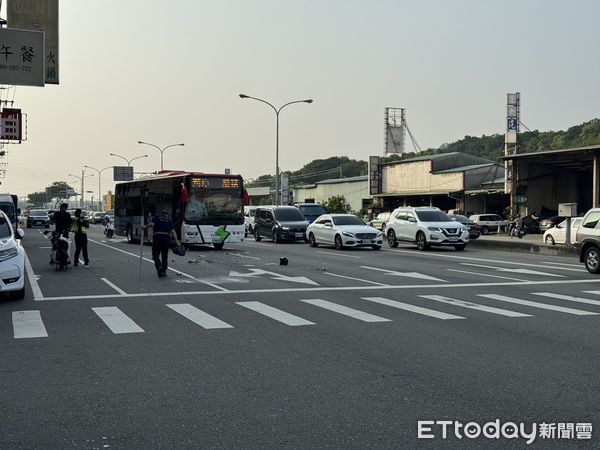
(170, 72)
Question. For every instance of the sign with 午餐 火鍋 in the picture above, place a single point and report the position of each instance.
(21, 57)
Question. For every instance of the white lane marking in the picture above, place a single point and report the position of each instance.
(357, 279)
(470, 258)
(288, 290)
(137, 256)
(242, 256)
(275, 314)
(114, 286)
(274, 276)
(568, 298)
(35, 287)
(350, 312)
(117, 320)
(412, 308)
(508, 269)
(518, 301)
(476, 306)
(484, 274)
(28, 324)
(46, 248)
(338, 254)
(405, 274)
(198, 316)
(580, 268)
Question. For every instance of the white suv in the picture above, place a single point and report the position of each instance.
(425, 226)
(489, 222)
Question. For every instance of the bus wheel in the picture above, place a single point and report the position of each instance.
(218, 245)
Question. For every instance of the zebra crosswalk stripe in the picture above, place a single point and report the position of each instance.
(518, 301)
(476, 306)
(344, 310)
(198, 316)
(275, 314)
(117, 320)
(413, 308)
(28, 324)
(568, 298)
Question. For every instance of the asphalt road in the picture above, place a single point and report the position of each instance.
(340, 349)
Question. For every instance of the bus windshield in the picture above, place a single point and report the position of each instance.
(214, 200)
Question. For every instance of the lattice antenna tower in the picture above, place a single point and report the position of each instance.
(395, 129)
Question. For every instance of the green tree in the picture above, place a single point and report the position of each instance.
(335, 204)
(38, 198)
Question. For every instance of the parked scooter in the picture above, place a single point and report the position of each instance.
(109, 228)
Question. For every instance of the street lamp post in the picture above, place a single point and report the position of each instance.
(129, 161)
(277, 111)
(99, 184)
(161, 150)
(82, 179)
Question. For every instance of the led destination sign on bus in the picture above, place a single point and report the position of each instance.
(216, 183)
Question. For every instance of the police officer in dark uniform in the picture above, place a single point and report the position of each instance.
(80, 228)
(162, 232)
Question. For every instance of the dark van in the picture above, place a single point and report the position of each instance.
(310, 211)
(280, 223)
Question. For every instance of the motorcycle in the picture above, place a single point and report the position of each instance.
(109, 229)
(61, 246)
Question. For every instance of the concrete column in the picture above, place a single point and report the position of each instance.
(596, 182)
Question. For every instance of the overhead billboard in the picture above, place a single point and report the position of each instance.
(38, 15)
(11, 125)
(21, 57)
(122, 173)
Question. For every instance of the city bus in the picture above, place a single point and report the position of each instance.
(206, 208)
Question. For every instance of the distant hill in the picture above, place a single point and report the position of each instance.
(489, 147)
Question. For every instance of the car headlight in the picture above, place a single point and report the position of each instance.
(7, 254)
(285, 228)
(434, 229)
(347, 234)
(378, 234)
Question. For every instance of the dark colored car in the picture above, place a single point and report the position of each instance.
(38, 217)
(550, 222)
(310, 211)
(474, 230)
(279, 223)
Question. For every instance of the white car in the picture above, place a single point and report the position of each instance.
(12, 259)
(489, 222)
(343, 230)
(425, 226)
(558, 233)
(249, 213)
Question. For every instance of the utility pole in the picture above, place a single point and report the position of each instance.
(81, 200)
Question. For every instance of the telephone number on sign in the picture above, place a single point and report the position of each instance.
(15, 67)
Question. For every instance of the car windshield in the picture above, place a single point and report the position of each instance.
(38, 212)
(289, 214)
(383, 216)
(459, 218)
(347, 220)
(4, 228)
(312, 210)
(433, 216)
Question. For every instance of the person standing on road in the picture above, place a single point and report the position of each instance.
(62, 220)
(80, 228)
(162, 232)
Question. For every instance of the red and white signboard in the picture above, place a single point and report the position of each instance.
(11, 125)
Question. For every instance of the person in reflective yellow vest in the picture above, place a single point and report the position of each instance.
(79, 227)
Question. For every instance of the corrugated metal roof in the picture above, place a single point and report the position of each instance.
(466, 168)
(345, 180)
